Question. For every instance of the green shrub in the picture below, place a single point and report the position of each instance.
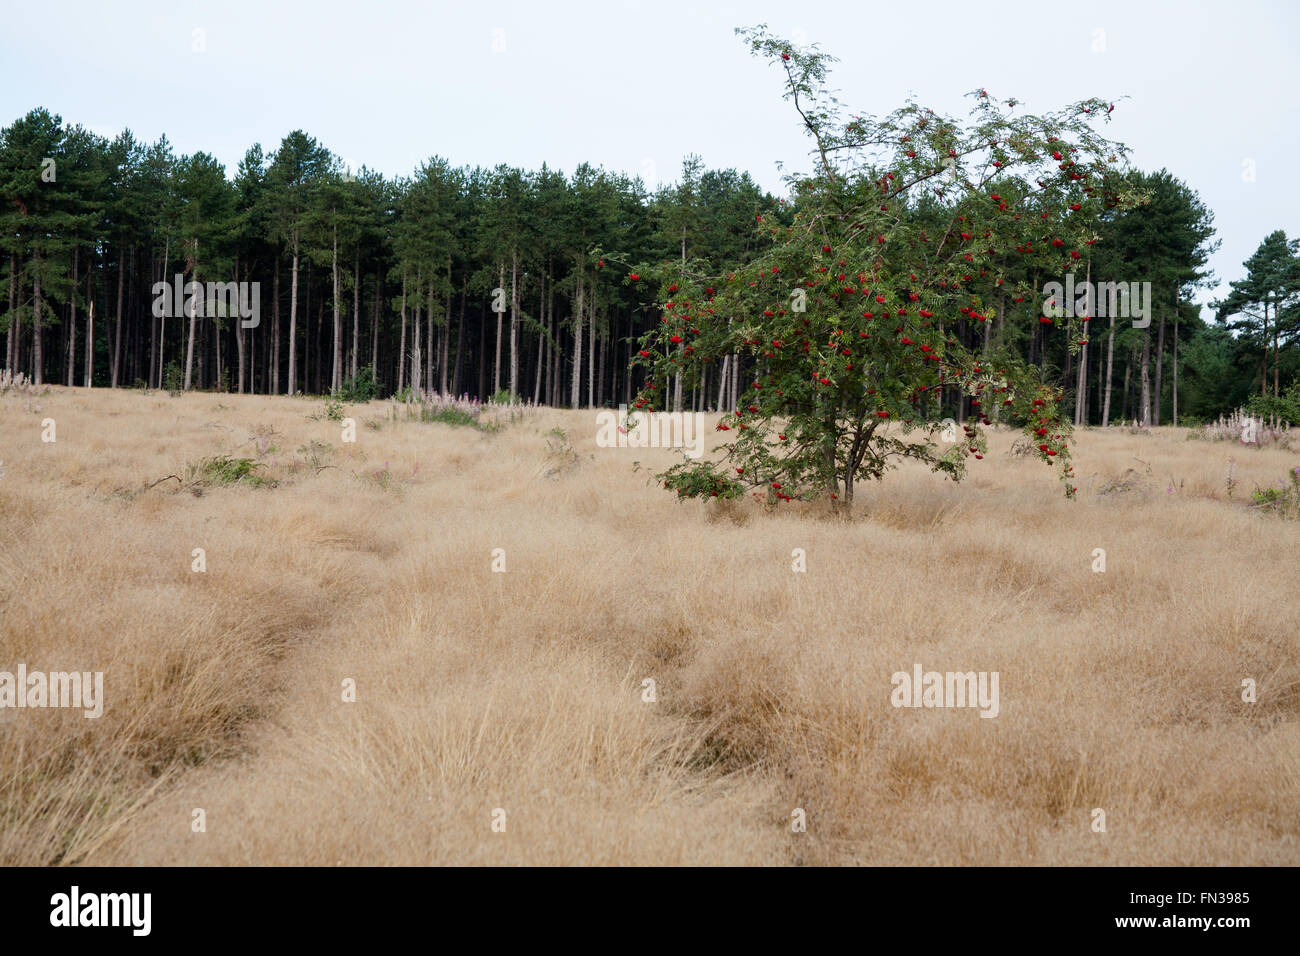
(172, 379)
(224, 470)
(361, 387)
(449, 415)
(1286, 407)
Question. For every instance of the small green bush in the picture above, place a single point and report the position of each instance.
(361, 387)
(224, 470)
(172, 379)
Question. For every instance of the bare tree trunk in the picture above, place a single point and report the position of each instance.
(72, 319)
(1160, 362)
(37, 358)
(274, 370)
(1081, 384)
(735, 380)
(374, 329)
(401, 352)
(1276, 392)
(214, 330)
(575, 393)
(554, 384)
(541, 340)
(445, 363)
(415, 338)
(591, 353)
(1128, 375)
(601, 346)
(239, 331)
(1081, 388)
(1175, 408)
(336, 366)
(1146, 378)
(90, 324)
(356, 309)
(514, 323)
(460, 340)
(117, 321)
(10, 360)
(482, 358)
(496, 367)
(1110, 369)
(155, 350)
(189, 351)
(292, 385)
(428, 339)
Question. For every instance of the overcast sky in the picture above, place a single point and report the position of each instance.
(635, 86)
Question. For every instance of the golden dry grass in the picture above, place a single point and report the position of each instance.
(479, 690)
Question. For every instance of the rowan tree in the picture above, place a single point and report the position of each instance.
(904, 227)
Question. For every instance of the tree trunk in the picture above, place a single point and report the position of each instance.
(444, 372)
(275, 329)
(541, 340)
(189, 351)
(90, 323)
(591, 352)
(1276, 392)
(239, 332)
(1263, 360)
(1160, 363)
(155, 353)
(336, 366)
(1123, 395)
(401, 352)
(292, 385)
(460, 341)
(356, 309)
(600, 369)
(1081, 383)
(1146, 378)
(72, 319)
(428, 340)
(1110, 370)
(374, 330)
(514, 324)
(117, 321)
(10, 361)
(735, 380)
(1175, 403)
(482, 356)
(416, 381)
(37, 358)
(575, 394)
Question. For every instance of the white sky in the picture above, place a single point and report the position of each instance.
(635, 85)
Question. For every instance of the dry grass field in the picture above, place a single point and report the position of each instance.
(522, 690)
